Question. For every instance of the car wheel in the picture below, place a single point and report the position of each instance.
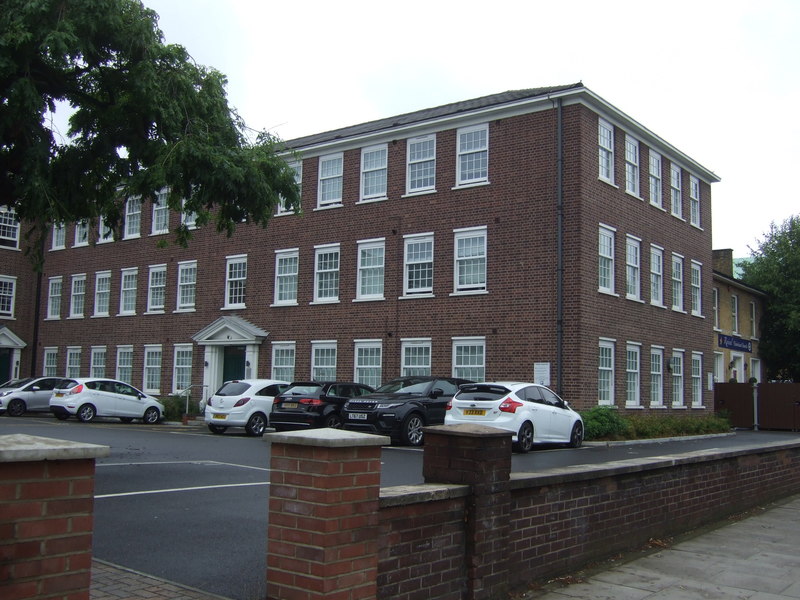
(126, 419)
(151, 416)
(525, 438)
(218, 429)
(86, 413)
(576, 438)
(256, 425)
(62, 416)
(16, 408)
(333, 420)
(411, 431)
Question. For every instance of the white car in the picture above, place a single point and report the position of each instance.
(90, 397)
(532, 412)
(31, 394)
(243, 403)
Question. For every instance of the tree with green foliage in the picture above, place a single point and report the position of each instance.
(775, 269)
(144, 117)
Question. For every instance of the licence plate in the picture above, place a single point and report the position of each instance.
(476, 412)
(58, 395)
(220, 417)
(357, 416)
(289, 405)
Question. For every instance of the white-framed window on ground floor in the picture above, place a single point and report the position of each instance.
(605, 373)
(697, 380)
(719, 367)
(416, 357)
(676, 366)
(283, 354)
(97, 363)
(633, 361)
(152, 369)
(368, 362)
(323, 360)
(182, 368)
(125, 364)
(469, 358)
(656, 376)
(50, 362)
(73, 362)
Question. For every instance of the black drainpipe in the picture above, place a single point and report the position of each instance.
(560, 247)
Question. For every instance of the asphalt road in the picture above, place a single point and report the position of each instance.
(191, 507)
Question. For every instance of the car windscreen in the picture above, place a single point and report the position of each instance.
(405, 386)
(481, 393)
(233, 388)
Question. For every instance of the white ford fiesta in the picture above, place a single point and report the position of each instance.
(90, 397)
(532, 412)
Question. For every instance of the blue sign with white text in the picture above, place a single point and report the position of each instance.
(735, 343)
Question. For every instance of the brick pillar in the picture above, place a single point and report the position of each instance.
(46, 517)
(323, 515)
(480, 457)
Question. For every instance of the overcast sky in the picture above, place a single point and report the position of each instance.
(716, 79)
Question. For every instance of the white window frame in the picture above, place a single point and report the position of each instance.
(8, 296)
(697, 380)
(632, 165)
(181, 369)
(416, 355)
(331, 181)
(469, 149)
(133, 218)
(719, 367)
(73, 362)
(54, 291)
(187, 286)
(287, 271)
(371, 269)
(412, 262)
(188, 218)
(9, 228)
(105, 234)
(470, 248)
(695, 216)
(633, 375)
(368, 362)
(656, 275)
(469, 358)
(160, 222)
(324, 355)
(753, 321)
(235, 281)
(157, 289)
(151, 374)
(656, 180)
(374, 173)
(605, 372)
(696, 284)
(129, 282)
(327, 265)
(734, 313)
(50, 362)
(677, 380)
(77, 296)
(124, 368)
(675, 190)
(605, 145)
(605, 252)
(656, 377)
(297, 167)
(97, 362)
(421, 158)
(677, 283)
(283, 360)
(81, 234)
(59, 236)
(755, 369)
(633, 268)
(715, 307)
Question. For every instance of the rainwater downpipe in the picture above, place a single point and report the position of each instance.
(559, 246)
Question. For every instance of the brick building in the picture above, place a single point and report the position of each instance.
(737, 309)
(537, 234)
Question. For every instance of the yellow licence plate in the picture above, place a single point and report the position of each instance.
(221, 417)
(290, 405)
(474, 412)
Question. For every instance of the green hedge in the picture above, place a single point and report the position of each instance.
(604, 423)
(175, 407)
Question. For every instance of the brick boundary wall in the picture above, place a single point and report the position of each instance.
(46, 517)
(439, 540)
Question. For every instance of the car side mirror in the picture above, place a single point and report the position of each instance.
(35, 388)
(436, 392)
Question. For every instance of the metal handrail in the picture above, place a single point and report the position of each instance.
(186, 393)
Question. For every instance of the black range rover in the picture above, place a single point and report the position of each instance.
(402, 407)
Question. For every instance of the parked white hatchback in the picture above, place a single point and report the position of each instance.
(532, 412)
(90, 397)
(243, 403)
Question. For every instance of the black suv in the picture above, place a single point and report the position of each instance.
(402, 407)
(304, 405)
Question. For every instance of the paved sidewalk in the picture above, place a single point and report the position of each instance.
(112, 582)
(756, 558)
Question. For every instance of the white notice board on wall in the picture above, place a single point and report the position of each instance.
(541, 373)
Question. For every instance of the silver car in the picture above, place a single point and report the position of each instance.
(31, 394)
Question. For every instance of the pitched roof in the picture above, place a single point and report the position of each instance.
(426, 115)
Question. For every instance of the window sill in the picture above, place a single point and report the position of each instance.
(607, 293)
(698, 227)
(154, 312)
(658, 206)
(376, 299)
(634, 299)
(184, 310)
(698, 407)
(319, 302)
(679, 310)
(52, 318)
(469, 293)
(16, 249)
(234, 307)
(418, 193)
(133, 236)
(126, 314)
(279, 304)
(698, 315)
(632, 195)
(657, 407)
(8, 317)
(608, 182)
(471, 184)
(372, 200)
(56, 249)
(74, 317)
(679, 407)
(153, 233)
(99, 316)
(658, 305)
(329, 206)
(679, 217)
(415, 296)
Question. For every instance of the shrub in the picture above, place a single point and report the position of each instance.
(602, 422)
(607, 424)
(175, 407)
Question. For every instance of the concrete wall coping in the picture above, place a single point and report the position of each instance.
(327, 437)
(29, 448)
(400, 495)
(469, 430)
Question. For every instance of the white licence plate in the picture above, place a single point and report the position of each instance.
(220, 417)
(357, 416)
(474, 412)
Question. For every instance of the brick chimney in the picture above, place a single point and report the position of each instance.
(723, 261)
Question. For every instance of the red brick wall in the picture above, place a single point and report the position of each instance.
(46, 529)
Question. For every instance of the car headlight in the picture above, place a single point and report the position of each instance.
(4, 393)
(389, 405)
